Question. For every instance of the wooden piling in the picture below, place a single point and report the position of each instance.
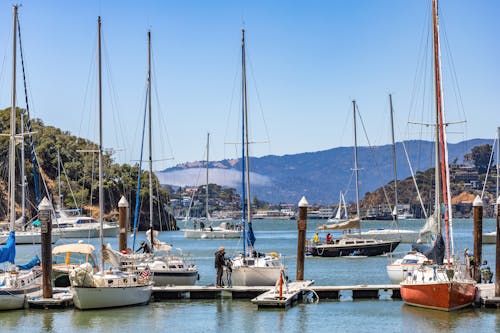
(301, 239)
(122, 223)
(45, 217)
(478, 237)
(497, 253)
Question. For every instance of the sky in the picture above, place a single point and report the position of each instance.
(306, 62)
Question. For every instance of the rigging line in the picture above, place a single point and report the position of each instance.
(90, 77)
(69, 184)
(259, 100)
(28, 122)
(139, 172)
(374, 157)
(488, 169)
(161, 122)
(119, 135)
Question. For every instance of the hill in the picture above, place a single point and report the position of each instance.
(321, 175)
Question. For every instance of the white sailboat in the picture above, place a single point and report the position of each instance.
(341, 214)
(226, 229)
(15, 283)
(350, 245)
(110, 287)
(490, 237)
(394, 233)
(167, 268)
(251, 268)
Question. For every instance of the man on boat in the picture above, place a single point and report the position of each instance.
(328, 238)
(220, 262)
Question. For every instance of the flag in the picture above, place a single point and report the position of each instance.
(146, 273)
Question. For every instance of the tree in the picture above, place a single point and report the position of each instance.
(480, 157)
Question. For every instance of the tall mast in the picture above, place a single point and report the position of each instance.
(23, 172)
(245, 178)
(12, 146)
(440, 131)
(498, 157)
(101, 189)
(395, 212)
(206, 199)
(150, 142)
(356, 159)
(59, 178)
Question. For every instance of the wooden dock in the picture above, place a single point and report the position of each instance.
(291, 293)
(62, 298)
(485, 296)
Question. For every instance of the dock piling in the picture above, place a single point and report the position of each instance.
(478, 237)
(301, 239)
(45, 217)
(122, 223)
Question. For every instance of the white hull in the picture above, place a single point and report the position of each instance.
(85, 232)
(26, 237)
(174, 278)
(490, 237)
(108, 297)
(255, 276)
(207, 234)
(12, 298)
(404, 236)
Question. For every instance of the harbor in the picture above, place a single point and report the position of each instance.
(344, 286)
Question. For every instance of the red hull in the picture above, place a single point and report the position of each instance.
(446, 296)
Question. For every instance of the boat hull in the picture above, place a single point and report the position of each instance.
(445, 296)
(490, 237)
(174, 278)
(255, 276)
(27, 237)
(207, 234)
(83, 232)
(13, 298)
(332, 250)
(109, 297)
(404, 236)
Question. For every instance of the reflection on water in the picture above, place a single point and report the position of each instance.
(427, 320)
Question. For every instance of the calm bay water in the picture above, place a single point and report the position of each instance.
(242, 316)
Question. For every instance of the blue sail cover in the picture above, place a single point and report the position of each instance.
(8, 251)
(34, 262)
(250, 235)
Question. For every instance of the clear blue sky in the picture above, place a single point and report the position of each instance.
(307, 61)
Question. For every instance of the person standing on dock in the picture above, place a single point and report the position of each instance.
(220, 262)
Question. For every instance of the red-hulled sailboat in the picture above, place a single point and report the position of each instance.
(436, 286)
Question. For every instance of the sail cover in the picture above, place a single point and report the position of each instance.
(34, 262)
(250, 235)
(8, 251)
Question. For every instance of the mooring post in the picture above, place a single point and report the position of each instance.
(45, 218)
(122, 223)
(301, 239)
(497, 253)
(478, 237)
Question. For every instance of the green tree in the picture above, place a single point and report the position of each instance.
(480, 157)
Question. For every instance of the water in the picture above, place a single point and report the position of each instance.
(242, 316)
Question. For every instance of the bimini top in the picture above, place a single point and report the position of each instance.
(75, 248)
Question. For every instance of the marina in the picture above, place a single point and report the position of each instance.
(344, 286)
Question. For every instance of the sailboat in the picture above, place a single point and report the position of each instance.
(348, 245)
(341, 214)
(225, 229)
(167, 269)
(444, 287)
(15, 282)
(395, 233)
(110, 287)
(251, 268)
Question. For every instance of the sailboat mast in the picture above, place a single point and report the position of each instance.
(59, 178)
(101, 188)
(395, 215)
(12, 141)
(150, 142)
(356, 159)
(23, 171)
(440, 130)
(206, 199)
(498, 157)
(245, 190)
